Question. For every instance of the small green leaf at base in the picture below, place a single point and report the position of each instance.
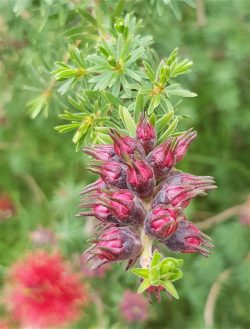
(168, 285)
(142, 272)
(144, 286)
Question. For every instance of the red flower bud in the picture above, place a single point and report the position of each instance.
(101, 152)
(140, 178)
(181, 178)
(98, 185)
(112, 173)
(99, 211)
(162, 158)
(183, 143)
(124, 206)
(115, 244)
(181, 188)
(161, 222)
(126, 145)
(145, 134)
(189, 239)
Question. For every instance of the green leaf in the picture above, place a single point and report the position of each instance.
(164, 121)
(139, 107)
(156, 258)
(152, 119)
(104, 138)
(170, 129)
(128, 121)
(142, 272)
(149, 72)
(180, 92)
(168, 285)
(88, 17)
(144, 286)
(154, 276)
(118, 9)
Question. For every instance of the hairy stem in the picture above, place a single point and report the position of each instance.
(146, 254)
(147, 243)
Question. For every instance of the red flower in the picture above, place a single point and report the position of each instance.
(7, 208)
(4, 325)
(44, 292)
(134, 307)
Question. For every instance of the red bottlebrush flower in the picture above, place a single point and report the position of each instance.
(101, 152)
(162, 158)
(4, 325)
(115, 244)
(126, 145)
(112, 173)
(161, 222)
(146, 135)
(134, 307)
(183, 142)
(189, 239)
(124, 206)
(44, 292)
(178, 192)
(7, 208)
(43, 236)
(140, 178)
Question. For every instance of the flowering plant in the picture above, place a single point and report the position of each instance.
(126, 104)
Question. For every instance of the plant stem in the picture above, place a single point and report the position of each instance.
(147, 242)
(146, 254)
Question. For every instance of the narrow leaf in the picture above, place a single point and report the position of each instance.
(144, 286)
(128, 121)
(142, 272)
(139, 106)
(168, 285)
(170, 129)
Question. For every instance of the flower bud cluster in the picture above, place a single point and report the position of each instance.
(139, 190)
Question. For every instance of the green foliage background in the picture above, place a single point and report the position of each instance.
(41, 171)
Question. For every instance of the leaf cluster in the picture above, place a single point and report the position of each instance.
(162, 272)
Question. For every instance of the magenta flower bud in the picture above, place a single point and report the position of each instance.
(98, 185)
(125, 206)
(101, 152)
(145, 134)
(115, 244)
(181, 178)
(140, 178)
(189, 239)
(162, 158)
(183, 143)
(125, 145)
(179, 195)
(99, 211)
(161, 222)
(112, 173)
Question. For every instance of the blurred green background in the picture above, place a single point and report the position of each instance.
(41, 174)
